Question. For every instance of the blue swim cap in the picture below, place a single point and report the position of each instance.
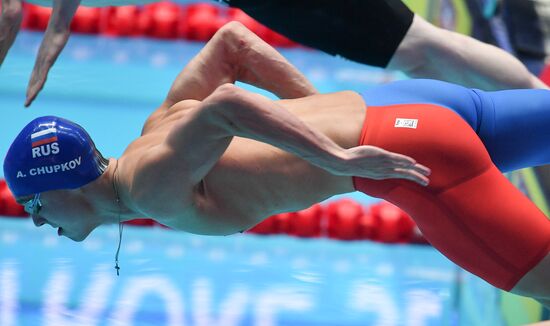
(51, 153)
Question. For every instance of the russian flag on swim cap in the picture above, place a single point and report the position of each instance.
(45, 136)
(51, 153)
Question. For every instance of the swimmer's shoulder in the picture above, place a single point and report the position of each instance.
(164, 114)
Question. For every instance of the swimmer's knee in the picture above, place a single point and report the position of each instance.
(535, 282)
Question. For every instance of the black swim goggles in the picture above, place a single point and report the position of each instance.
(33, 206)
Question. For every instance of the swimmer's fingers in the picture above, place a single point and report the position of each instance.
(407, 168)
(406, 162)
(377, 163)
(418, 168)
(412, 175)
(55, 38)
(49, 51)
(10, 23)
(424, 170)
(36, 83)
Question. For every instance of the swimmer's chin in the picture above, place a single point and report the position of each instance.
(76, 238)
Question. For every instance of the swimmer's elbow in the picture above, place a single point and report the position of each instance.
(225, 99)
(227, 91)
(232, 29)
(243, 113)
(234, 36)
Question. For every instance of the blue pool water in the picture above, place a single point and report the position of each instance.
(172, 278)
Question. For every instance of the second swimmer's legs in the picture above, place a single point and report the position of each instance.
(428, 51)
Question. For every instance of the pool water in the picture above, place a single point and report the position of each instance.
(172, 278)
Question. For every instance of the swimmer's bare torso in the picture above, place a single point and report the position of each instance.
(216, 159)
(251, 180)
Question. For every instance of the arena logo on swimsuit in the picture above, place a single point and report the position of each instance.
(406, 123)
(44, 143)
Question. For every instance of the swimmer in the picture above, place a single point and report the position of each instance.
(215, 159)
(383, 33)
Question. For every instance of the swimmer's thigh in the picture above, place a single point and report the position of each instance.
(483, 224)
(515, 127)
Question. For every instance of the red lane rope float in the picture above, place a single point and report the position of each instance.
(345, 220)
(8, 205)
(163, 20)
(545, 75)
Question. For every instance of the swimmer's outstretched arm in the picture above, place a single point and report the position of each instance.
(55, 38)
(10, 23)
(237, 54)
(205, 132)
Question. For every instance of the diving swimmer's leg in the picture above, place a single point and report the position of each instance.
(516, 127)
(470, 212)
(536, 283)
(428, 51)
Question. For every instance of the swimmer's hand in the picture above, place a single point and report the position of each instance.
(50, 48)
(10, 23)
(56, 36)
(376, 163)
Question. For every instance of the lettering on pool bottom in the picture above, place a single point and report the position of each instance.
(203, 300)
